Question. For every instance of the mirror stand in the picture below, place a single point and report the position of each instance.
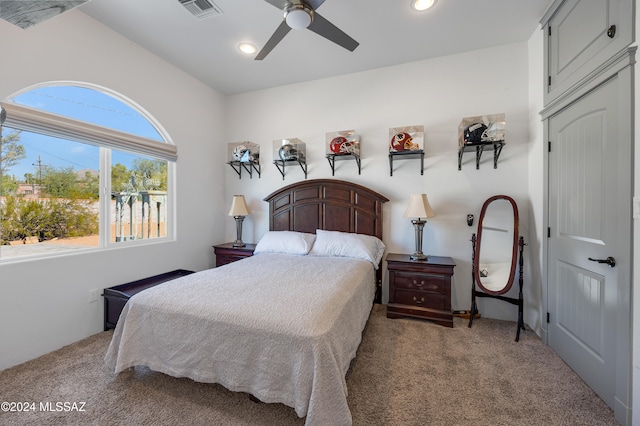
(477, 293)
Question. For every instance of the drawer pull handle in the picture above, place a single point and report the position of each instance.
(418, 284)
(418, 301)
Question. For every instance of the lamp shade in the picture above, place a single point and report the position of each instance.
(239, 206)
(419, 207)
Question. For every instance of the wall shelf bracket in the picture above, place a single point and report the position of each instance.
(406, 155)
(478, 147)
(333, 157)
(280, 164)
(248, 166)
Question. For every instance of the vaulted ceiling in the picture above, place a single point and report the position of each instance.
(389, 32)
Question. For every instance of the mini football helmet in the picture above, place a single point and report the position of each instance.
(494, 132)
(340, 145)
(242, 153)
(473, 132)
(403, 142)
(288, 152)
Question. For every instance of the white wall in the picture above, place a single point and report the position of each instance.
(45, 303)
(436, 93)
(537, 173)
(635, 289)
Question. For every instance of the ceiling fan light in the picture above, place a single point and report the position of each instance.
(421, 5)
(298, 17)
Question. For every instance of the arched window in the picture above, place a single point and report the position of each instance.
(81, 168)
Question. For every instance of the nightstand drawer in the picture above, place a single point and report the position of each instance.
(224, 259)
(227, 253)
(420, 298)
(422, 282)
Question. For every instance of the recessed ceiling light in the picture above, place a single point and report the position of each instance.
(421, 5)
(247, 48)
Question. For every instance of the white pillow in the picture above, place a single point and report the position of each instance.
(288, 242)
(344, 244)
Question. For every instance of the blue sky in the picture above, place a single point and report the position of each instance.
(82, 104)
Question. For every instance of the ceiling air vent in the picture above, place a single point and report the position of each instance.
(201, 8)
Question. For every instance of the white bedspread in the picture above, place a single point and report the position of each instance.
(283, 328)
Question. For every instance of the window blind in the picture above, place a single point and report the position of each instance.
(29, 119)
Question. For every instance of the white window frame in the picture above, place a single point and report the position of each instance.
(24, 118)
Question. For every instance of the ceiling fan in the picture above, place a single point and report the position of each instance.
(301, 14)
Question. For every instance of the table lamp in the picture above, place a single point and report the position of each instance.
(238, 210)
(419, 208)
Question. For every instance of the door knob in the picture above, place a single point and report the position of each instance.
(609, 261)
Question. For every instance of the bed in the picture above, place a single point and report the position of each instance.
(282, 325)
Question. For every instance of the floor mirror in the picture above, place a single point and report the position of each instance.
(497, 256)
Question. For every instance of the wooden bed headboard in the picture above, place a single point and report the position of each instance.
(329, 204)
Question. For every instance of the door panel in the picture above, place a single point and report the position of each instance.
(579, 40)
(582, 290)
(580, 177)
(586, 22)
(584, 218)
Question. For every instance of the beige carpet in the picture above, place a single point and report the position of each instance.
(406, 372)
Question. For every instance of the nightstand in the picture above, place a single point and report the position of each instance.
(227, 253)
(420, 288)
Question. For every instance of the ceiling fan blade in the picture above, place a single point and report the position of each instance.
(277, 36)
(280, 4)
(326, 29)
(314, 4)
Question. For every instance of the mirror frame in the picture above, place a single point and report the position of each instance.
(514, 249)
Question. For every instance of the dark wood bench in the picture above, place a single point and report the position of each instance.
(117, 296)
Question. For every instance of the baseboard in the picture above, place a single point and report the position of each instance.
(465, 314)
